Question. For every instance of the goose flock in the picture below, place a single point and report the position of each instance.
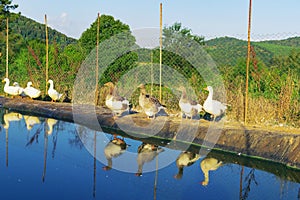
(33, 93)
(119, 105)
(151, 106)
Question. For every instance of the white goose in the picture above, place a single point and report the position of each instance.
(21, 90)
(213, 107)
(31, 91)
(188, 107)
(53, 93)
(11, 90)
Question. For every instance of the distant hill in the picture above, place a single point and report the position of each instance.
(227, 50)
(30, 30)
(291, 42)
(224, 50)
(22, 31)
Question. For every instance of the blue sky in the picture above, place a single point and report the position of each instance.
(214, 18)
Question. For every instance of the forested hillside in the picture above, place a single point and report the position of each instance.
(32, 30)
(274, 71)
(227, 50)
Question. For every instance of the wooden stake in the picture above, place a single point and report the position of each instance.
(160, 52)
(47, 54)
(6, 142)
(151, 72)
(95, 164)
(248, 63)
(6, 72)
(45, 150)
(97, 60)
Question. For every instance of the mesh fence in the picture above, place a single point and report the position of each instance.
(130, 59)
(274, 88)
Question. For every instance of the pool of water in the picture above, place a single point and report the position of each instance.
(49, 159)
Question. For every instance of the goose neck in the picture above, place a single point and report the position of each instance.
(6, 83)
(51, 86)
(210, 94)
(183, 95)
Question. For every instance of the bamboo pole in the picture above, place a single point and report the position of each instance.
(45, 150)
(151, 72)
(156, 176)
(95, 164)
(47, 54)
(160, 51)
(248, 62)
(241, 183)
(6, 142)
(97, 60)
(6, 72)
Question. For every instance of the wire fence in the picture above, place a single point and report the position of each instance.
(274, 85)
(274, 91)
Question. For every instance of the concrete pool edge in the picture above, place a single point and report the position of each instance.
(277, 147)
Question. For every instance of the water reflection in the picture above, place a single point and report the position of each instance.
(207, 165)
(53, 157)
(114, 149)
(146, 153)
(185, 159)
(30, 121)
(10, 117)
(50, 122)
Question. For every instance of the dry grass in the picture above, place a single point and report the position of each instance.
(262, 111)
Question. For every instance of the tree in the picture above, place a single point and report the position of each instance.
(181, 52)
(175, 33)
(108, 28)
(5, 7)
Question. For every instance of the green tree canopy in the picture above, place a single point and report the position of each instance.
(108, 28)
(6, 6)
(173, 35)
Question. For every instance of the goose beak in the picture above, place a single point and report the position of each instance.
(205, 89)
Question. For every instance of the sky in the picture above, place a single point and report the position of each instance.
(211, 18)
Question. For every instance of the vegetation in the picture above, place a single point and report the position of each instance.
(274, 84)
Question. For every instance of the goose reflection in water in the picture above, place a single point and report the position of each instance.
(146, 153)
(209, 164)
(113, 149)
(30, 121)
(51, 122)
(9, 117)
(185, 159)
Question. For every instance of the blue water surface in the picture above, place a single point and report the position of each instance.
(59, 163)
